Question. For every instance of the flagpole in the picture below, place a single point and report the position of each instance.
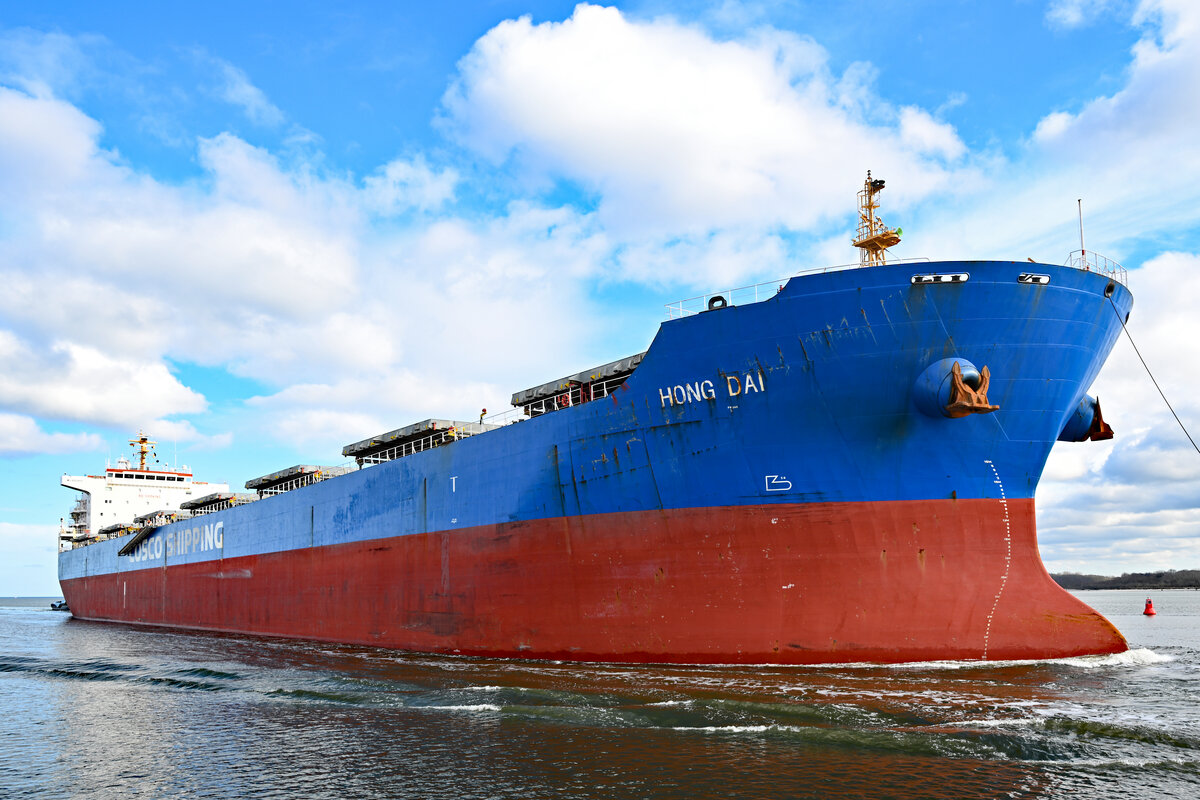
(1082, 249)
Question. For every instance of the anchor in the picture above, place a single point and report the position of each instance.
(1099, 430)
(965, 400)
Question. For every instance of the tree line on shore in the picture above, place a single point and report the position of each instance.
(1166, 579)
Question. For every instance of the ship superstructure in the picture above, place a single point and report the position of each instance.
(110, 505)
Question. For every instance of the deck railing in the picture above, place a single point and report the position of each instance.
(569, 396)
(435, 439)
(1089, 261)
(304, 479)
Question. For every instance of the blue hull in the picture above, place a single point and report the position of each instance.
(807, 399)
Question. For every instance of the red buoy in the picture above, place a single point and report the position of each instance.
(1149, 612)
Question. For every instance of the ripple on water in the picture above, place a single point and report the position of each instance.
(95, 709)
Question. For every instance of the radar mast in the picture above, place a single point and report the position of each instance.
(142, 446)
(873, 237)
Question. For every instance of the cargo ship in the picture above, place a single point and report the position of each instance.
(839, 467)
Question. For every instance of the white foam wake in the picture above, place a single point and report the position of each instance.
(1130, 658)
(727, 728)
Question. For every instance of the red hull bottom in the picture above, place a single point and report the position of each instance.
(805, 584)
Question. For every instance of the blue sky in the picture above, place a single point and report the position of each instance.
(261, 231)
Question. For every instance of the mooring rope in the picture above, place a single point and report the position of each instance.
(1151, 374)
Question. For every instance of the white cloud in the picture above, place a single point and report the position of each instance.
(1052, 126)
(1149, 110)
(679, 133)
(1134, 155)
(47, 142)
(921, 133)
(1077, 13)
(43, 63)
(259, 239)
(269, 269)
(76, 382)
(237, 89)
(20, 435)
(142, 268)
(402, 185)
(495, 297)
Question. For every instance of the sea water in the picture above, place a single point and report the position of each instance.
(103, 710)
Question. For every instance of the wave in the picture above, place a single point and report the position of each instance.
(476, 707)
(1141, 734)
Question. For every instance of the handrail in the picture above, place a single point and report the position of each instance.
(1090, 261)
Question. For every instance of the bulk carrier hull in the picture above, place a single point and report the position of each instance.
(770, 485)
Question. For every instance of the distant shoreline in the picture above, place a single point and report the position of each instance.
(1167, 579)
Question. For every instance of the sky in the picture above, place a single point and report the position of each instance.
(261, 231)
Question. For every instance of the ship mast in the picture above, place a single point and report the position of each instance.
(142, 446)
(873, 237)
